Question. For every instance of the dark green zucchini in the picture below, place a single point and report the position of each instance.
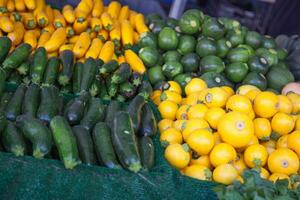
(88, 74)
(17, 57)
(76, 78)
(104, 147)
(95, 87)
(13, 140)
(112, 88)
(122, 74)
(3, 122)
(85, 145)
(125, 142)
(127, 90)
(14, 107)
(148, 123)
(103, 92)
(95, 113)
(37, 133)
(136, 79)
(5, 99)
(65, 142)
(135, 111)
(38, 65)
(24, 68)
(31, 100)
(14, 78)
(3, 76)
(5, 44)
(145, 89)
(67, 61)
(112, 109)
(147, 153)
(51, 72)
(75, 109)
(109, 67)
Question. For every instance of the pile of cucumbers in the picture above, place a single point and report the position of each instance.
(37, 120)
(219, 50)
(109, 81)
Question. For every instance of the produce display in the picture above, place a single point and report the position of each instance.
(38, 121)
(218, 50)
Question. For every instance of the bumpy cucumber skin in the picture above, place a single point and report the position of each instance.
(14, 107)
(125, 142)
(135, 111)
(65, 142)
(148, 122)
(147, 152)
(67, 60)
(31, 100)
(38, 65)
(17, 57)
(37, 133)
(51, 71)
(85, 145)
(104, 147)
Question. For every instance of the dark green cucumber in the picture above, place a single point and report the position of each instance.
(51, 71)
(49, 106)
(67, 61)
(95, 87)
(127, 90)
(13, 140)
(135, 111)
(88, 74)
(122, 74)
(65, 142)
(103, 92)
(17, 57)
(15, 78)
(75, 109)
(125, 142)
(112, 88)
(148, 123)
(145, 89)
(104, 147)
(112, 109)
(31, 100)
(38, 65)
(37, 133)
(147, 153)
(136, 79)
(14, 107)
(24, 68)
(76, 78)
(3, 122)
(109, 67)
(85, 145)
(3, 76)
(5, 99)
(94, 113)
(5, 44)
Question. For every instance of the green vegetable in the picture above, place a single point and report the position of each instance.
(190, 62)
(167, 39)
(5, 99)
(269, 54)
(135, 111)
(76, 78)
(223, 47)
(147, 153)
(67, 61)
(197, 13)
(125, 143)
(235, 37)
(5, 44)
(51, 71)
(171, 69)
(65, 142)
(127, 90)
(85, 145)
(211, 64)
(183, 79)
(15, 78)
(187, 44)
(95, 87)
(136, 79)
(155, 74)
(236, 72)
(206, 46)
(256, 79)
(253, 39)
(157, 26)
(171, 22)
(112, 109)
(189, 23)
(148, 122)
(122, 74)
(112, 88)
(149, 56)
(148, 39)
(31, 100)
(238, 54)
(268, 42)
(172, 55)
(258, 64)
(278, 77)
(214, 79)
(24, 68)
(152, 17)
(88, 74)
(14, 106)
(109, 67)
(145, 89)
(213, 28)
(17, 57)
(103, 146)
(38, 65)
(3, 76)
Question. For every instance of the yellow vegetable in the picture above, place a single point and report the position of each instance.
(136, 37)
(40, 5)
(56, 40)
(107, 21)
(66, 47)
(80, 26)
(115, 33)
(262, 128)
(20, 5)
(59, 20)
(201, 141)
(49, 13)
(68, 14)
(132, 16)
(17, 35)
(3, 3)
(266, 104)
(50, 28)
(199, 172)
(221, 154)
(30, 4)
(140, 24)
(127, 33)
(293, 141)
(31, 37)
(134, 61)
(45, 36)
(73, 39)
(103, 35)
(28, 20)
(178, 155)
(282, 123)
(15, 17)
(42, 18)
(195, 85)
(121, 59)
(215, 97)
(255, 155)
(82, 10)
(225, 174)
(124, 13)
(114, 9)
(70, 31)
(98, 8)
(53, 54)
(94, 49)
(6, 25)
(170, 136)
(11, 5)
(82, 45)
(96, 24)
(107, 51)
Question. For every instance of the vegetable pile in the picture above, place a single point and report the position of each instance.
(215, 133)
(38, 121)
(218, 50)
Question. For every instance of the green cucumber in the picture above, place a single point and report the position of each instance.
(206, 46)
(13, 140)
(3, 76)
(38, 65)
(149, 56)
(171, 69)
(214, 79)
(190, 62)
(236, 72)
(65, 142)
(136, 79)
(211, 64)
(24, 68)
(88, 74)
(85, 145)
(213, 28)
(253, 39)
(122, 74)
(125, 142)
(5, 99)
(95, 87)
(49, 105)
(76, 78)
(103, 92)
(112, 88)
(172, 55)
(17, 57)
(223, 47)
(167, 39)
(5, 44)
(14, 107)
(258, 64)
(103, 146)
(31, 100)
(189, 24)
(187, 44)
(148, 39)
(94, 113)
(15, 78)
(37, 133)
(51, 71)
(127, 90)
(256, 79)
(147, 152)
(145, 89)
(135, 111)
(155, 74)
(112, 109)
(109, 67)
(75, 109)
(67, 61)
(148, 122)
